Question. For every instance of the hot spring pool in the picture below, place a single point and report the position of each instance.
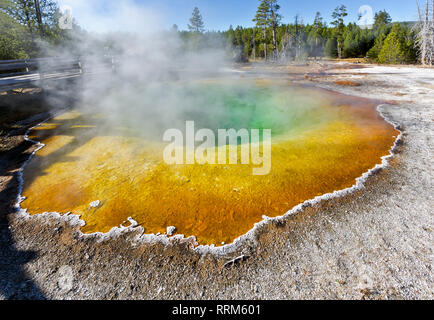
(111, 155)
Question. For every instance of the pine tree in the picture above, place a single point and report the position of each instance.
(338, 15)
(348, 45)
(274, 22)
(316, 34)
(196, 22)
(317, 27)
(352, 45)
(376, 49)
(330, 49)
(37, 19)
(262, 19)
(382, 18)
(14, 40)
(34, 14)
(394, 47)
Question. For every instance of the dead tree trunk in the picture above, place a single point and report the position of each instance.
(39, 17)
(273, 30)
(265, 42)
(254, 44)
(425, 37)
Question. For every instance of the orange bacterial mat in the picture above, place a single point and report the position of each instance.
(107, 171)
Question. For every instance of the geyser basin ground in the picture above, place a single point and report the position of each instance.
(322, 142)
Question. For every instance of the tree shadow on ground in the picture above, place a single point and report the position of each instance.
(15, 283)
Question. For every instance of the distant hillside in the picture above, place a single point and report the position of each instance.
(409, 23)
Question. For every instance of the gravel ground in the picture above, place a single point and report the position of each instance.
(375, 243)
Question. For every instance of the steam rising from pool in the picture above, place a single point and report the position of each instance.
(322, 143)
(148, 112)
(103, 160)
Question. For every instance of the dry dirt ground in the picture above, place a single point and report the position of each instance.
(376, 243)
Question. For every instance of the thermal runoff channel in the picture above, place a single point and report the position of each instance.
(107, 169)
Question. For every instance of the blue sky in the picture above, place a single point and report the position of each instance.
(219, 14)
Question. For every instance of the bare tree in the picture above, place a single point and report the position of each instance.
(425, 37)
(287, 45)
